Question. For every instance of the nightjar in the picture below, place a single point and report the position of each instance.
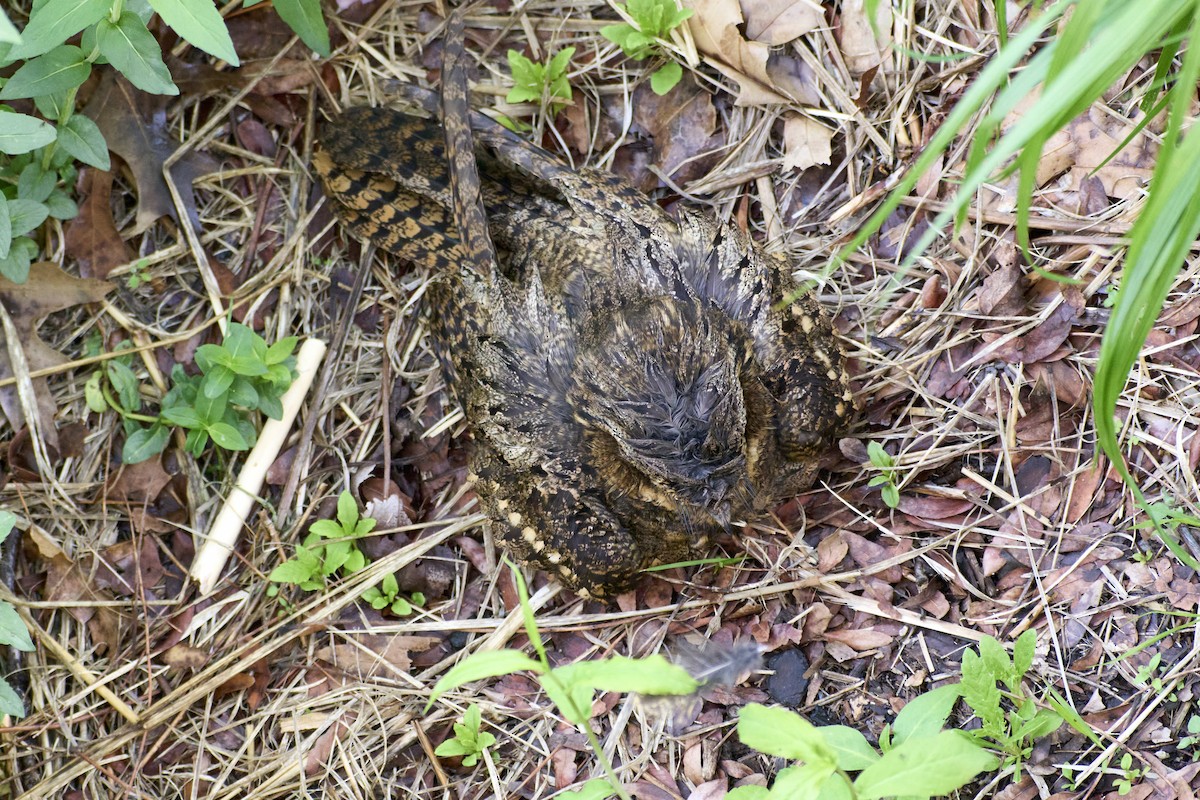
(631, 378)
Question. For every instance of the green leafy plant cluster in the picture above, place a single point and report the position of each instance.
(534, 82)
(652, 23)
(12, 632)
(886, 479)
(331, 548)
(37, 155)
(468, 740)
(239, 377)
(917, 757)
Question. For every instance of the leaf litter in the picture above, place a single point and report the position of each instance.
(971, 370)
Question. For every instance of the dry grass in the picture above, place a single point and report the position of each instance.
(1007, 520)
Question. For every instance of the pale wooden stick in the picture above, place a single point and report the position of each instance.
(223, 534)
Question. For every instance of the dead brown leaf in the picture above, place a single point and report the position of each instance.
(681, 127)
(134, 124)
(776, 22)
(806, 143)
(92, 238)
(47, 290)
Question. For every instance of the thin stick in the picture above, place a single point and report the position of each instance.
(223, 535)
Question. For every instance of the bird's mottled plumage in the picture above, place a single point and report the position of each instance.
(629, 378)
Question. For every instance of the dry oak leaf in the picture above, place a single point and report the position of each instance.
(92, 238)
(715, 26)
(806, 143)
(776, 22)
(48, 289)
(134, 124)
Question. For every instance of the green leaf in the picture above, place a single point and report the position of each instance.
(926, 714)
(347, 511)
(8, 35)
(748, 793)
(451, 748)
(1023, 652)
(183, 416)
(199, 22)
(851, 748)
(21, 133)
(482, 665)
(53, 22)
(144, 443)
(574, 700)
(93, 395)
(326, 529)
(803, 781)
(6, 234)
(81, 138)
(595, 789)
(935, 765)
(653, 675)
(134, 52)
(16, 266)
(292, 571)
(666, 77)
(779, 732)
(216, 381)
(61, 206)
(8, 521)
(12, 629)
(26, 215)
(10, 701)
(979, 690)
(304, 17)
(227, 436)
(278, 352)
(35, 183)
(61, 69)
(125, 383)
(995, 660)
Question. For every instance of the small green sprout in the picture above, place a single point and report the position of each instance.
(653, 21)
(540, 83)
(468, 741)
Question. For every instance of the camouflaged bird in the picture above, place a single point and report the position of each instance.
(629, 379)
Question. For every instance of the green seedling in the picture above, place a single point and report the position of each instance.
(883, 461)
(653, 21)
(545, 84)
(468, 741)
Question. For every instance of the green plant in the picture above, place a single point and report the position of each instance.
(650, 23)
(331, 545)
(37, 154)
(12, 632)
(572, 687)
(540, 83)
(1011, 720)
(886, 479)
(1192, 740)
(387, 595)
(919, 758)
(331, 548)
(1095, 44)
(238, 377)
(1129, 774)
(137, 275)
(468, 741)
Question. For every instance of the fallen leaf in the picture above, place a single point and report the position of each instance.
(47, 290)
(184, 657)
(92, 238)
(776, 22)
(682, 127)
(861, 49)
(806, 143)
(716, 29)
(134, 124)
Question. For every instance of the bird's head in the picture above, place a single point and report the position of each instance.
(666, 384)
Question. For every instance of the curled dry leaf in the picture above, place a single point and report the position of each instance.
(776, 22)
(806, 143)
(134, 124)
(683, 128)
(47, 290)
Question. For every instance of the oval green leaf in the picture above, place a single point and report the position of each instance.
(61, 69)
(927, 767)
(21, 133)
(478, 666)
(199, 22)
